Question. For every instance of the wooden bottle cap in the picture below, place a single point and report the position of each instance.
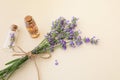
(14, 27)
(28, 18)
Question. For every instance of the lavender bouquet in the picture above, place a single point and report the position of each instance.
(62, 34)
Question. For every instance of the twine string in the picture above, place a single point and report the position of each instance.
(31, 56)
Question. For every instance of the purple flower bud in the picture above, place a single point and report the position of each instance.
(11, 44)
(70, 37)
(73, 26)
(72, 44)
(79, 38)
(71, 32)
(64, 47)
(67, 22)
(62, 22)
(87, 40)
(51, 48)
(68, 30)
(56, 62)
(79, 32)
(12, 35)
(78, 41)
(63, 43)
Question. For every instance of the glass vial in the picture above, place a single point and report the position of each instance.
(31, 26)
(11, 38)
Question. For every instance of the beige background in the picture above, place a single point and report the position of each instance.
(99, 18)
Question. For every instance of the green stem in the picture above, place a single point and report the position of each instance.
(2, 78)
(12, 61)
(11, 74)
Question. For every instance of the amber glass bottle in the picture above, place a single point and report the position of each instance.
(31, 26)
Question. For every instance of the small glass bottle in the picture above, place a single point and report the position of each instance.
(31, 26)
(11, 38)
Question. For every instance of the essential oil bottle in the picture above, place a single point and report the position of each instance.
(31, 26)
(11, 38)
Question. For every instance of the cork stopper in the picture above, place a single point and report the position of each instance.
(28, 18)
(14, 27)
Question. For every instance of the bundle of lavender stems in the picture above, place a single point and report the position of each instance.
(63, 33)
